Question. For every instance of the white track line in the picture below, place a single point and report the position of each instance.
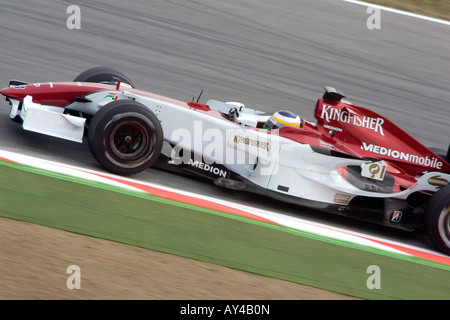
(405, 13)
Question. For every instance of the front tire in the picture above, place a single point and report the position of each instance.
(438, 219)
(103, 75)
(125, 137)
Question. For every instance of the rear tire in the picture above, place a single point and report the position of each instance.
(125, 137)
(438, 219)
(103, 75)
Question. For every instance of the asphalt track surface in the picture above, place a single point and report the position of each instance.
(270, 55)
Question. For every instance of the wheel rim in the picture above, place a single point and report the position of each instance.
(444, 225)
(129, 140)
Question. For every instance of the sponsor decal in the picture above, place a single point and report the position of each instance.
(329, 113)
(373, 170)
(208, 168)
(326, 145)
(251, 142)
(399, 155)
(326, 126)
(396, 216)
(437, 181)
(341, 198)
(111, 95)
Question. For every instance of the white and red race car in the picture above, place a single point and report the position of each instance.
(352, 161)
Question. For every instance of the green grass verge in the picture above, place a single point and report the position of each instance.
(97, 210)
(439, 9)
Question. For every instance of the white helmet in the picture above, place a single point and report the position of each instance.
(282, 118)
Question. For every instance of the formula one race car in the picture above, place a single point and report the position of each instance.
(352, 161)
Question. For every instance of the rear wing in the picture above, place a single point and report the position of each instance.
(366, 134)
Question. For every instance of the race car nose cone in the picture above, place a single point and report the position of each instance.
(3, 91)
(9, 92)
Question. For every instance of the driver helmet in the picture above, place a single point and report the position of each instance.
(282, 118)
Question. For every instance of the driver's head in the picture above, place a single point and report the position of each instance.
(282, 118)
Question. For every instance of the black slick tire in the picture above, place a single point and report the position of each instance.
(125, 137)
(438, 219)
